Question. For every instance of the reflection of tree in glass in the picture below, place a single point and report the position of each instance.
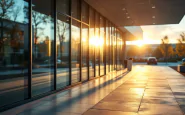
(38, 19)
(5, 9)
(61, 31)
(9, 14)
(15, 31)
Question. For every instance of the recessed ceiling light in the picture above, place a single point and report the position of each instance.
(153, 6)
(153, 23)
(153, 16)
(128, 17)
(124, 9)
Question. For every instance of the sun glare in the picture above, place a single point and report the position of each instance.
(139, 43)
(96, 41)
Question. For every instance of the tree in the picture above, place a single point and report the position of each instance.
(132, 51)
(147, 50)
(157, 53)
(182, 37)
(180, 47)
(171, 52)
(164, 47)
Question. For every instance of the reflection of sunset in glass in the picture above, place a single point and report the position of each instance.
(96, 41)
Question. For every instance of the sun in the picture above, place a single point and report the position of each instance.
(139, 43)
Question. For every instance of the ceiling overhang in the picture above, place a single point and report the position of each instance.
(140, 12)
(132, 33)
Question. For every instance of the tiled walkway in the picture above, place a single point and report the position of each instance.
(152, 90)
(147, 90)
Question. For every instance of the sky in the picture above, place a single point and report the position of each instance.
(153, 34)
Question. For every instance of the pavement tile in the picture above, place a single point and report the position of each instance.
(167, 101)
(180, 101)
(182, 108)
(107, 112)
(121, 98)
(160, 109)
(117, 106)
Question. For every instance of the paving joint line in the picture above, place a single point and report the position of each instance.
(175, 98)
(111, 92)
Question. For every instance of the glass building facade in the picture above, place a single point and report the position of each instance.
(49, 45)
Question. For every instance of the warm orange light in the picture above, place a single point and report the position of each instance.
(93, 40)
(101, 42)
(84, 39)
(139, 43)
(96, 41)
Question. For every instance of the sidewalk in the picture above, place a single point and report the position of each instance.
(154, 90)
(147, 90)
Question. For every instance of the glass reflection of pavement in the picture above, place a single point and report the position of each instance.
(76, 100)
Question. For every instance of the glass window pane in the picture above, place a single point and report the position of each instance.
(63, 6)
(122, 52)
(115, 49)
(14, 52)
(118, 51)
(75, 9)
(101, 45)
(114, 53)
(107, 47)
(97, 38)
(85, 41)
(91, 45)
(75, 51)
(111, 48)
(85, 12)
(43, 47)
(62, 33)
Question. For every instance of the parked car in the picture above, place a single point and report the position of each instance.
(183, 60)
(152, 60)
